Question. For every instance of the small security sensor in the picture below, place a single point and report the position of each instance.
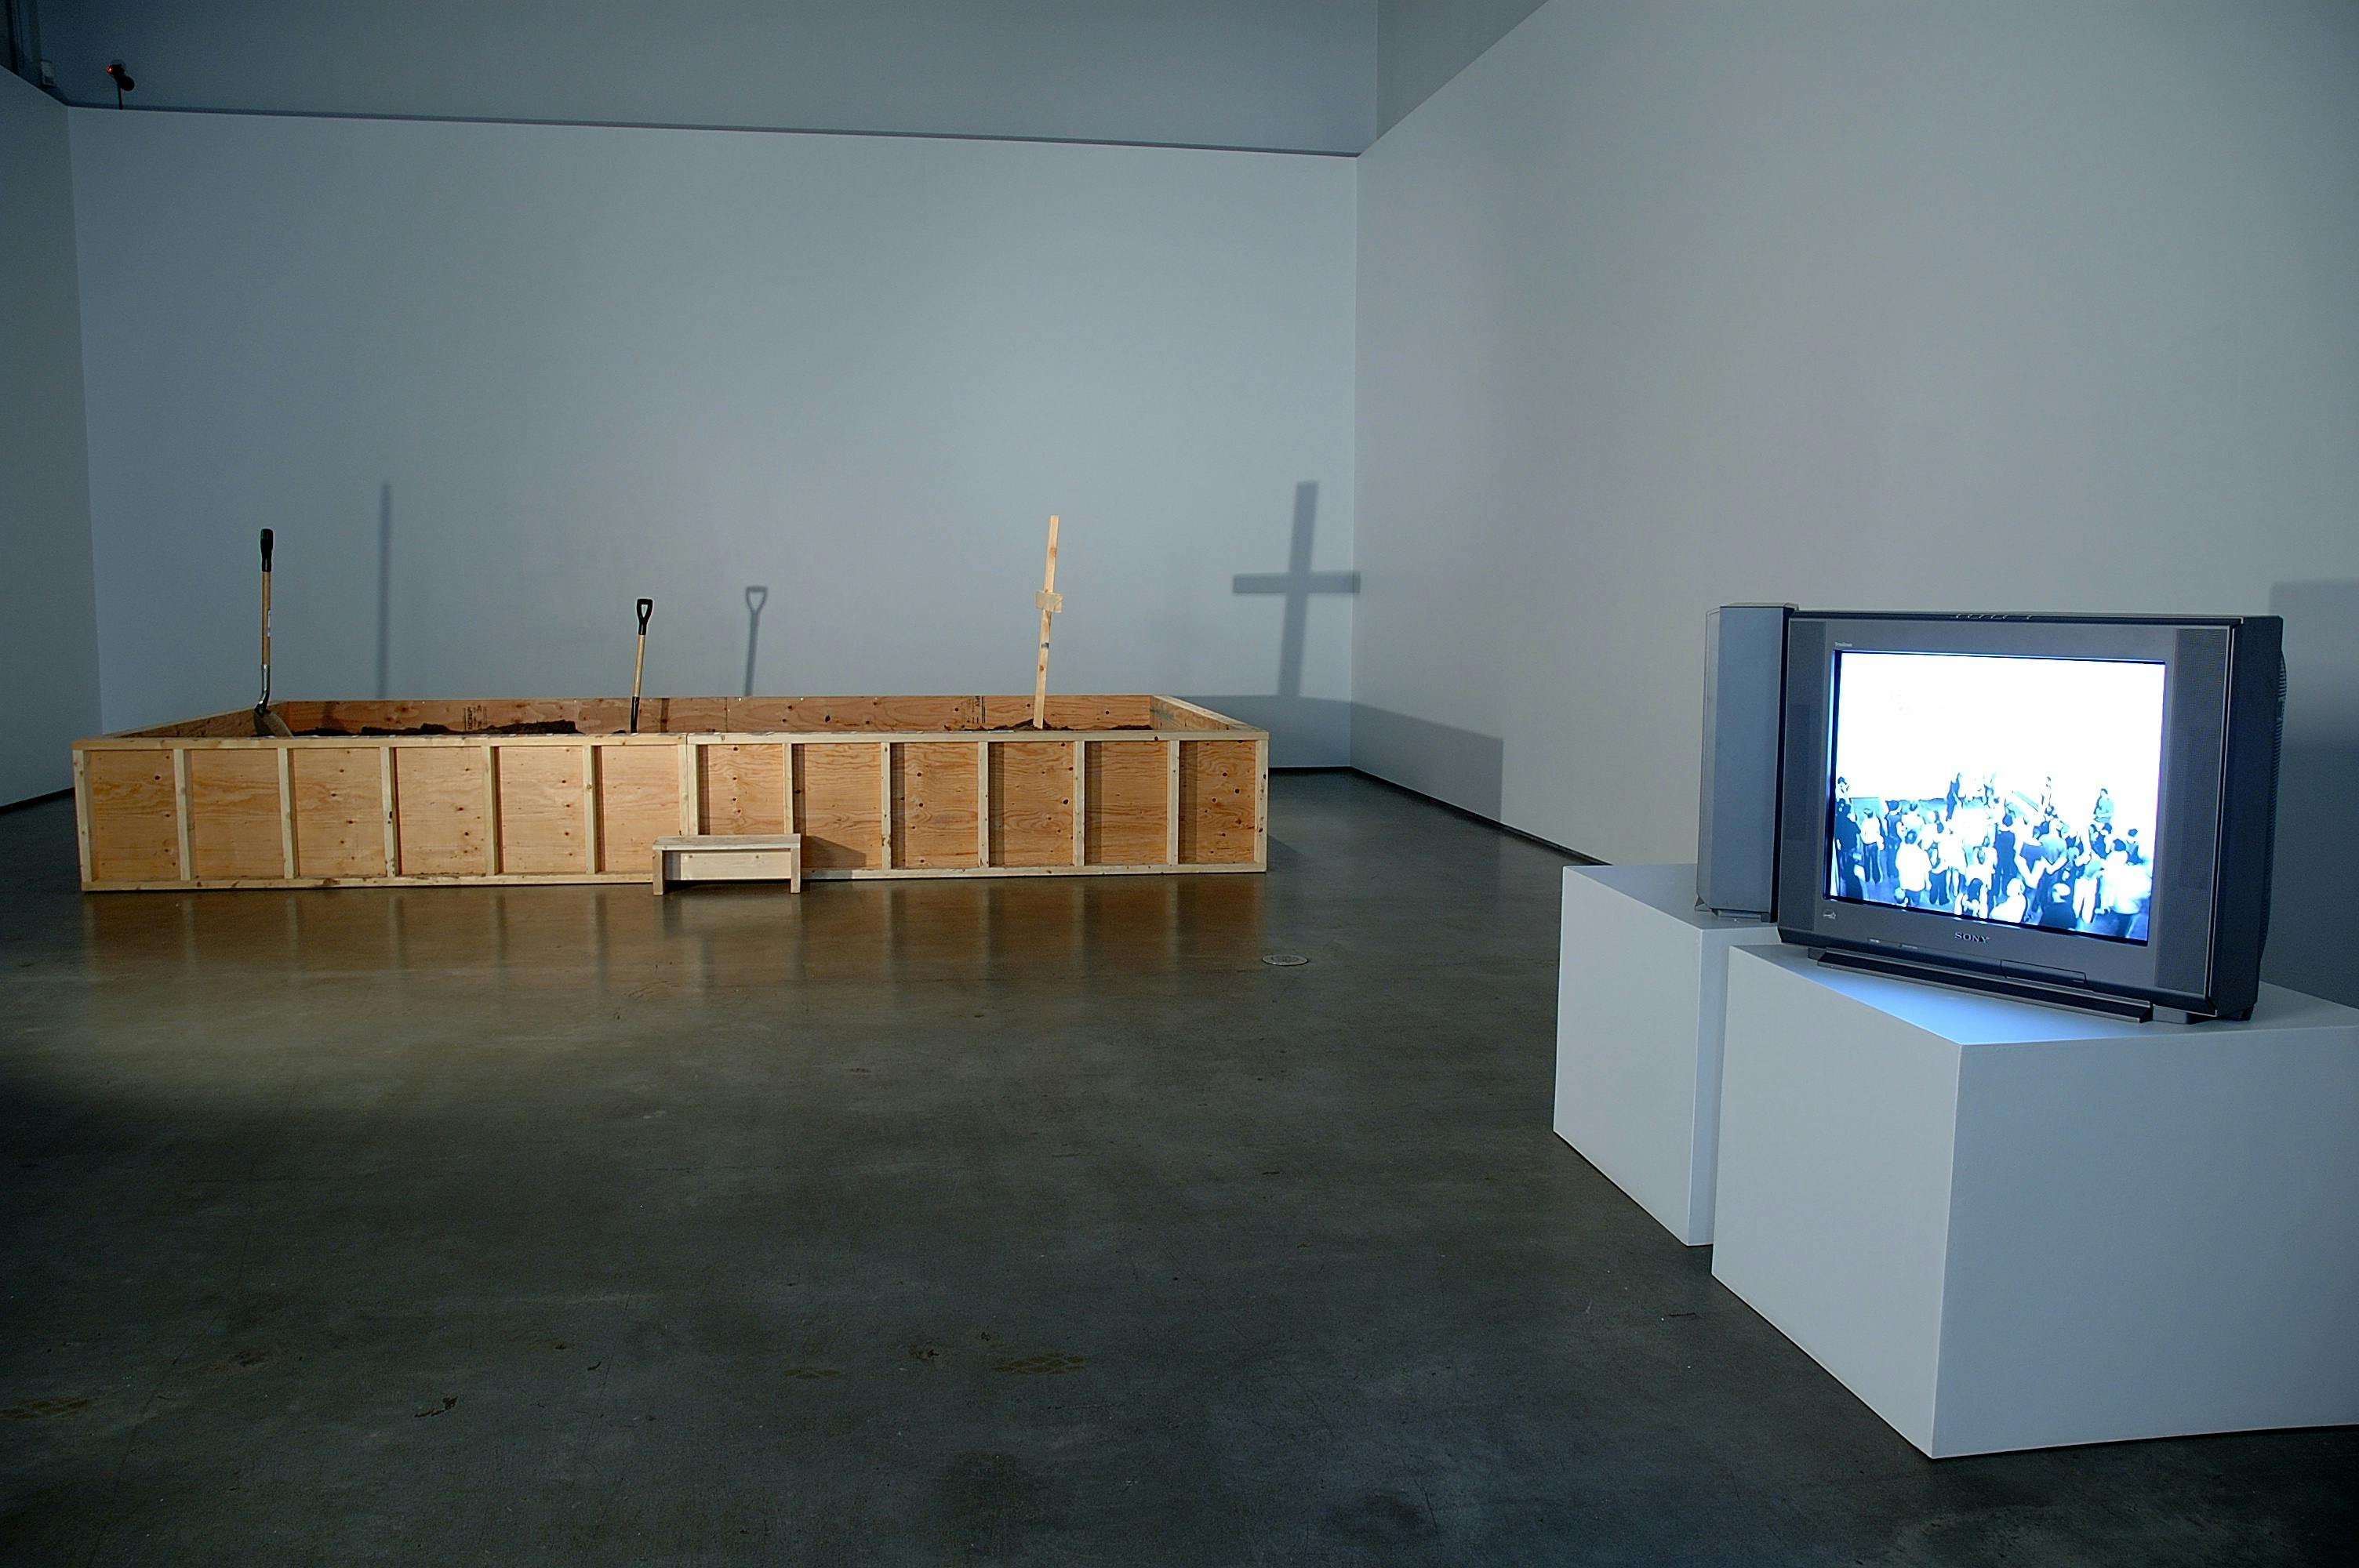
(122, 79)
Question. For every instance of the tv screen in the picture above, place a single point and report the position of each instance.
(2018, 791)
(2042, 805)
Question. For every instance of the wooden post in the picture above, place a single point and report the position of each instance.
(590, 809)
(983, 803)
(1080, 802)
(885, 804)
(492, 811)
(1050, 601)
(81, 810)
(392, 811)
(286, 809)
(180, 808)
(1171, 804)
(1261, 803)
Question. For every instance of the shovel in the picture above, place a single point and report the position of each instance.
(264, 722)
(646, 607)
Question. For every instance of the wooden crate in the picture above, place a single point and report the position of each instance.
(729, 858)
(878, 786)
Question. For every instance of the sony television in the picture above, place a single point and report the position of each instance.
(2070, 808)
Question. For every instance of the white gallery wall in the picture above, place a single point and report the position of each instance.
(489, 382)
(49, 636)
(2010, 305)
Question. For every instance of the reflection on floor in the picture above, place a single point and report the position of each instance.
(1036, 1220)
(694, 943)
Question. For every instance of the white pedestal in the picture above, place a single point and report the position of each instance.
(2005, 1226)
(1641, 982)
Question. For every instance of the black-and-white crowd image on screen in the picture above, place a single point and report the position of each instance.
(2020, 791)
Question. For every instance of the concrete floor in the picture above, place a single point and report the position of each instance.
(1029, 1221)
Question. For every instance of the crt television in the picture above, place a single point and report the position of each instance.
(2071, 809)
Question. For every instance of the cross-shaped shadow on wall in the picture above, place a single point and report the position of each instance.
(1461, 766)
(1298, 583)
(1304, 731)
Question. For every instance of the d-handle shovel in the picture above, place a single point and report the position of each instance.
(264, 722)
(639, 664)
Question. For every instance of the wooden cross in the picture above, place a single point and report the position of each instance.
(1050, 601)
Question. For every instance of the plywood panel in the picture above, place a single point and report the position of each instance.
(541, 826)
(1169, 713)
(233, 814)
(237, 722)
(638, 803)
(1218, 784)
(1069, 712)
(439, 802)
(1124, 802)
(839, 802)
(339, 811)
(682, 716)
(450, 716)
(134, 832)
(903, 714)
(1032, 803)
(745, 789)
(934, 804)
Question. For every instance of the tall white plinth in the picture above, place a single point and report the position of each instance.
(1641, 979)
(2005, 1226)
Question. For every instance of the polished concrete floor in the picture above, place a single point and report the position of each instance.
(1023, 1221)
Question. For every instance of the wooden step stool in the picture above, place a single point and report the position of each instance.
(729, 857)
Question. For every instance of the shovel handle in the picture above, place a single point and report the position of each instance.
(639, 661)
(266, 542)
(265, 703)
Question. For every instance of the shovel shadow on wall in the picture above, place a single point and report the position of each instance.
(756, 596)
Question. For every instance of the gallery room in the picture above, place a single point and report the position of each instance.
(1179, 780)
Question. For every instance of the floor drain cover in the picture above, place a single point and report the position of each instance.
(1284, 960)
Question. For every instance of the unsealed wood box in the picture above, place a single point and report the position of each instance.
(728, 856)
(554, 790)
